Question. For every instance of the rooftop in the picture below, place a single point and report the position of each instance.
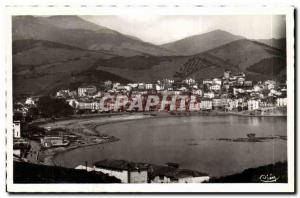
(121, 165)
(173, 172)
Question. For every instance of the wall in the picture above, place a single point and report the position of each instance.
(138, 176)
(122, 175)
(193, 179)
(163, 179)
(16, 130)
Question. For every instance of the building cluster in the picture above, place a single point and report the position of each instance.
(20, 145)
(227, 93)
(131, 172)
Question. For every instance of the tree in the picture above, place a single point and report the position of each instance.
(53, 107)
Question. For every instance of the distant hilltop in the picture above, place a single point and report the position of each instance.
(50, 53)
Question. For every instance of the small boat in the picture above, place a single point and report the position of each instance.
(251, 135)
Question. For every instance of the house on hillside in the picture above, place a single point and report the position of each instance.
(86, 90)
(205, 105)
(226, 74)
(281, 102)
(215, 87)
(207, 81)
(216, 81)
(189, 81)
(253, 104)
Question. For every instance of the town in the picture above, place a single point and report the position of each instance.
(229, 94)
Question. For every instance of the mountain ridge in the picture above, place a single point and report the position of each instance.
(201, 42)
(39, 28)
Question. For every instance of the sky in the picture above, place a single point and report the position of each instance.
(159, 29)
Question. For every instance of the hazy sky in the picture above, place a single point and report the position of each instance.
(163, 29)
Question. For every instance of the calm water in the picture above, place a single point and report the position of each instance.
(189, 141)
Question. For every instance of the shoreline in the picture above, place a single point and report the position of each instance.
(110, 119)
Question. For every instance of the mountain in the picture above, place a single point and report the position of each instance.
(72, 22)
(257, 60)
(200, 43)
(244, 53)
(75, 31)
(42, 67)
(277, 43)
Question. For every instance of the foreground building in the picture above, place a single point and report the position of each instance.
(127, 172)
(86, 90)
(17, 129)
(169, 174)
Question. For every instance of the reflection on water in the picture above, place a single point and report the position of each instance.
(189, 141)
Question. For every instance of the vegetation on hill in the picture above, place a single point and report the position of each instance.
(277, 43)
(49, 107)
(33, 173)
(253, 175)
(201, 43)
(63, 60)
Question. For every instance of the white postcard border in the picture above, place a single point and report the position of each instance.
(152, 10)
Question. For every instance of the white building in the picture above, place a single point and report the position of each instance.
(207, 81)
(30, 101)
(149, 86)
(191, 179)
(175, 175)
(189, 81)
(270, 84)
(205, 105)
(108, 84)
(85, 105)
(253, 105)
(248, 83)
(82, 167)
(63, 93)
(73, 103)
(256, 88)
(240, 80)
(16, 129)
(238, 90)
(167, 81)
(227, 74)
(208, 95)
(127, 172)
(217, 81)
(281, 102)
(215, 87)
(197, 92)
(87, 90)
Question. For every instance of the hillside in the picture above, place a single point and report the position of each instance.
(252, 175)
(75, 31)
(258, 61)
(44, 66)
(200, 43)
(276, 43)
(244, 53)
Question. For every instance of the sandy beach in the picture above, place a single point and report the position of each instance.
(84, 129)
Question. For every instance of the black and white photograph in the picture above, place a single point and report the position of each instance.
(201, 100)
